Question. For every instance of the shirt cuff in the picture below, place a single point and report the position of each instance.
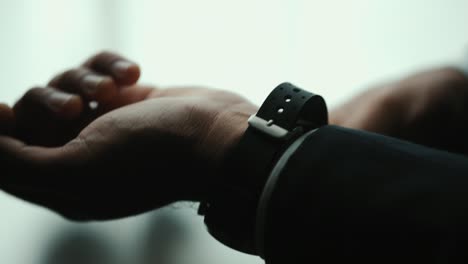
(262, 217)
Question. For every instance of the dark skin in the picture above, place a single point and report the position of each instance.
(144, 147)
(428, 108)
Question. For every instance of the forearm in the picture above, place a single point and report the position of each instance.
(427, 108)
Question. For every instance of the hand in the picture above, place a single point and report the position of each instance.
(140, 149)
(429, 108)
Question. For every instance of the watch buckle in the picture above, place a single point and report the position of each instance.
(267, 127)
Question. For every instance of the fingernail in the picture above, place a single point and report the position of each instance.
(90, 83)
(120, 68)
(57, 100)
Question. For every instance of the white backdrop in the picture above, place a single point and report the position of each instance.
(331, 47)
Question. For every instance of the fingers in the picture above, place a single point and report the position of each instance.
(91, 85)
(48, 101)
(122, 70)
(99, 78)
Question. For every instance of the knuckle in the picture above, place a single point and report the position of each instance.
(33, 92)
(103, 57)
(102, 60)
(70, 73)
(33, 96)
(104, 53)
(71, 76)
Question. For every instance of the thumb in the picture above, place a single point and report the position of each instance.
(38, 167)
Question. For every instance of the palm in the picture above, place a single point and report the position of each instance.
(180, 112)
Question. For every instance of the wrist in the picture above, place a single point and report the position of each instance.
(216, 140)
(287, 113)
(226, 131)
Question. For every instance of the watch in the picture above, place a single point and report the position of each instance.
(286, 114)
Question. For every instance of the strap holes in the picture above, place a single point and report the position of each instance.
(280, 110)
(287, 98)
(296, 90)
(303, 97)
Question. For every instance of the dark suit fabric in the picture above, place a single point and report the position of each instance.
(351, 196)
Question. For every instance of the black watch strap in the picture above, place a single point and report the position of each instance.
(287, 113)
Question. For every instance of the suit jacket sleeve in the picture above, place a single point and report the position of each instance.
(345, 195)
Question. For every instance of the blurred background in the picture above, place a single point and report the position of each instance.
(331, 47)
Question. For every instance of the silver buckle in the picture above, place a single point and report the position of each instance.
(267, 127)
